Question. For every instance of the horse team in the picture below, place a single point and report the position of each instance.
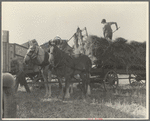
(61, 64)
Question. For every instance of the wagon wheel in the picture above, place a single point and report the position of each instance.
(137, 80)
(111, 80)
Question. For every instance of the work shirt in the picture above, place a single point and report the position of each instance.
(107, 28)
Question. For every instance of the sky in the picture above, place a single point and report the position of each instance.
(45, 20)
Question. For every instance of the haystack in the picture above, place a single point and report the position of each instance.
(138, 54)
(117, 52)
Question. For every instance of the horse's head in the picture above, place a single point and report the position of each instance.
(52, 52)
(31, 54)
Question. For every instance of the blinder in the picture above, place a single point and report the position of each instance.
(33, 53)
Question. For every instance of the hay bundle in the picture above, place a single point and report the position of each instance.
(116, 52)
(95, 47)
(138, 54)
(119, 52)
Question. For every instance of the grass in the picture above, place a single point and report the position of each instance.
(124, 103)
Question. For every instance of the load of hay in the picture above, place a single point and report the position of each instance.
(117, 52)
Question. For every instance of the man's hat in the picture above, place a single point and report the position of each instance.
(103, 21)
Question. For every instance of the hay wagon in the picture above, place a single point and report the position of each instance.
(108, 76)
(107, 70)
(104, 74)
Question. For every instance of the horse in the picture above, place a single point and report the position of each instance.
(69, 66)
(38, 56)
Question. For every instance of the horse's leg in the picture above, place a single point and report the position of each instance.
(49, 84)
(27, 87)
(67, 94)
(83, 85)
(71, 88)
(61, 92)
(88, 84)
(60, 82)
(45, 80)
(16, 85)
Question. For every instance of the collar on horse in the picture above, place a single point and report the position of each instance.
(46, 56)
(45, 62)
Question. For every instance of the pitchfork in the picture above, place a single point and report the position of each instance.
(116, 30)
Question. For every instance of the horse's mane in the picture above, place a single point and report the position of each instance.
(60, 51)
(61, 54)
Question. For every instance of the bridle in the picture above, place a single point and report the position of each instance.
(34, 54)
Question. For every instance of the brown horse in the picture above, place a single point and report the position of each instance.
(38, 56)
(69, 66)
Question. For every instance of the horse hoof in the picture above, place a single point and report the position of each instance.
(84, 100)
(49, 96)
(47, 100)
(60, 97)
(45, 96)
(67, 97)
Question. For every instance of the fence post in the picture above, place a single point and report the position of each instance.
(9, 106)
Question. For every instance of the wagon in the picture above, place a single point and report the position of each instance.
(104, 74)
(110, 80)
(107, 74)
(137, 76)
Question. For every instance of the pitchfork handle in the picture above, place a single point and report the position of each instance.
(116, 30)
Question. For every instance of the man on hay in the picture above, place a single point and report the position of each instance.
(107, 31)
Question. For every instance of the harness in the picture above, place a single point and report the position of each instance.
(72, 67)
(46, 57)
(57, 65)
(45, 62)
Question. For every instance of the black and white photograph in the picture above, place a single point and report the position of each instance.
(86, 60)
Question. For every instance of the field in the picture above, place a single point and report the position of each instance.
(126, 102)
